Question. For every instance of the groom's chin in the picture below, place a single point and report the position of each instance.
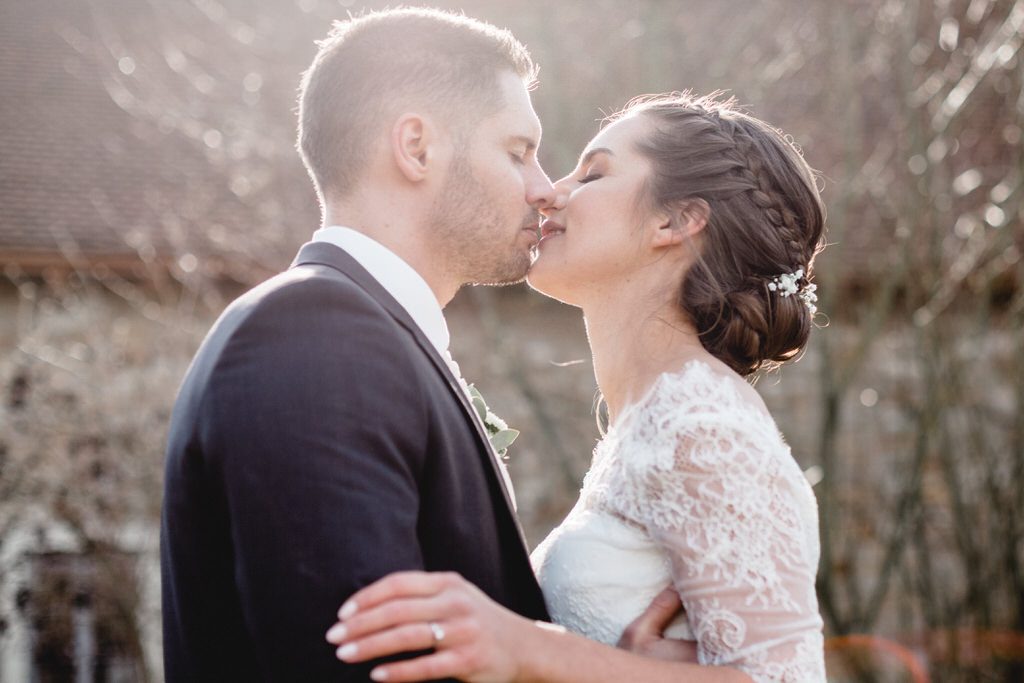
(511, 272)
(500, 282)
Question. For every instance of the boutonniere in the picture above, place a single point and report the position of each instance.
(499, 433)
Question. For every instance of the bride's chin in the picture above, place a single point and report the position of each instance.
(546, 283)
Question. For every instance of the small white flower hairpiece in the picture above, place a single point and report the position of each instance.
(788, 284)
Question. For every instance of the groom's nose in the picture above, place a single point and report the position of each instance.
(540, 193)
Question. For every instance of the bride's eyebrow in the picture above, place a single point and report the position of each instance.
(585, 159)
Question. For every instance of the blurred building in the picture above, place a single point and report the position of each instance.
(147, 170)
(100, 189)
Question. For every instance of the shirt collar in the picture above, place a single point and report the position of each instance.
(400, 280)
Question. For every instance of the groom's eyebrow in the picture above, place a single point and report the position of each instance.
(585, 159)
(528, 142)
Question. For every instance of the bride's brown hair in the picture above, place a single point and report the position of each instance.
(765, 219)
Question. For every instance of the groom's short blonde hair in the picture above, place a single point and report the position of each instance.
(374, 64)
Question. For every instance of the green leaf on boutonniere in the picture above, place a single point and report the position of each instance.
(503, 439)
(480, 407)
(498, 433)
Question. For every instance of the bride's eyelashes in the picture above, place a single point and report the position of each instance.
(589, 178)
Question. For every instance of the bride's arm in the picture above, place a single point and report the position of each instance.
(737, 522)
(484, 642)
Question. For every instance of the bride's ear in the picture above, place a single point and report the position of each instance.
(683, 222)
(412, 140)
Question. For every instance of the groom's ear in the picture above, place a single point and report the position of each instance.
(411, 139)
(682, 222)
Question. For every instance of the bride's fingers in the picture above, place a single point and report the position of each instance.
(398, 585)
(442, 664)
(388, 614)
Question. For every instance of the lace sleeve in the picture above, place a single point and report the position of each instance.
(737, 521)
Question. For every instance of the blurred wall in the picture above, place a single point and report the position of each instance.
(160, 135)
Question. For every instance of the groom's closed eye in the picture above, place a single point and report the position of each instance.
(521, 146)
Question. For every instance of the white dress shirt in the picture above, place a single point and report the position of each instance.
(400, 280)
(411, 292)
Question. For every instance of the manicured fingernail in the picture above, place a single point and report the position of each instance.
(379, 674)
(347, 610)
(347, 651)
(337, 633)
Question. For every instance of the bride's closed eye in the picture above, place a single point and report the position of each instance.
(589, 178)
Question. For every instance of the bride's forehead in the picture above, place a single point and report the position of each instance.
(620, 133)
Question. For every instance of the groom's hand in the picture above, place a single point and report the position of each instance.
(645, 634)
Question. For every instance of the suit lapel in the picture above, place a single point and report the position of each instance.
(322, 253)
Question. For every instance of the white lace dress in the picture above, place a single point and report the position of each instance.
(694, 486)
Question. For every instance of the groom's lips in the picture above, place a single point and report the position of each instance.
(533, 230)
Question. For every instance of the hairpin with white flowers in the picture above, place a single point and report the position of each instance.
(789, 283)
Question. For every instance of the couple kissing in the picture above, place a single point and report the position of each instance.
(334, 510)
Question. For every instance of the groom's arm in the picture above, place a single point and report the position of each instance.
(313, 422)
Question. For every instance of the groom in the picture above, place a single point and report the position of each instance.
(320, 439)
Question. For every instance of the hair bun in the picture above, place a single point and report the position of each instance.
(750, 327)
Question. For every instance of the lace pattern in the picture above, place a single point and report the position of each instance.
(709, 479)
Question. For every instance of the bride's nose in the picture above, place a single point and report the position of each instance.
(559, 197)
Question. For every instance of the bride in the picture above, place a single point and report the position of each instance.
(686, 234)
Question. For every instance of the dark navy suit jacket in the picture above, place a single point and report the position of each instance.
(319, 442)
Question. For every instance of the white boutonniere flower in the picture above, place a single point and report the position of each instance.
(498, 431)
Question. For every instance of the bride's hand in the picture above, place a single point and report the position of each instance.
(645, 634)
(473, 638)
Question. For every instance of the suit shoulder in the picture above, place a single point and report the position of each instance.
(308, 284)
(306, 312)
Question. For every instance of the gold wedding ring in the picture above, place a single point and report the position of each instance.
(437, 631)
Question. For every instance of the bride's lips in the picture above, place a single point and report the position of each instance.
(549, 228)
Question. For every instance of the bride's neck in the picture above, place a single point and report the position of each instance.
(632, 344)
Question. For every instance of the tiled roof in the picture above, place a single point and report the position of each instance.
(84, 176)
(132, 129)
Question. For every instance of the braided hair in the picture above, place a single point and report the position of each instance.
(765, 219)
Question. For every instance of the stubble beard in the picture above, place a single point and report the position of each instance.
(466, 225)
